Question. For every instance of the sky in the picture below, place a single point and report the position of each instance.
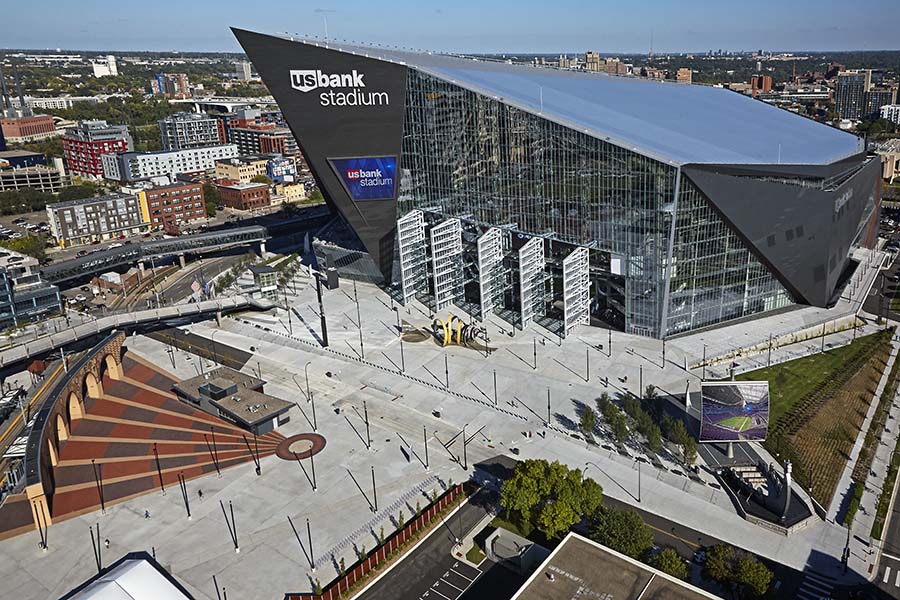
(625, 26)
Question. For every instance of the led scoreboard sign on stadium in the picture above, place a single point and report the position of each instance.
(734, 411)
(367, 178)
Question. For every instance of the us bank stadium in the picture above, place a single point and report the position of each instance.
(567, 197)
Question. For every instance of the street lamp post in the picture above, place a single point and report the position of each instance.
(703, 376)
(306, 372)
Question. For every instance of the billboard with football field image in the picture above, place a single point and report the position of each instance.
(734, 411)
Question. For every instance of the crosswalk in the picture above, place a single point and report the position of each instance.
(891, 578)
(815, 586)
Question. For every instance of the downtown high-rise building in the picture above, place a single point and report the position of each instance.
(850, 94)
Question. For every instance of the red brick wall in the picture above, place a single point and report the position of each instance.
(377, 556)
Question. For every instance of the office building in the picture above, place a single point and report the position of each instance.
(20, 169)
(105, 67)
(171, 85)
(760, 84)
(59, 102)
(172, 205)
(242, 70)
(183, 131)
(651, 207)
(77, 222)
(266, 138)
(24, 295)
(876, 98)
(243, 118)
(30, 128)
(684, 75)
(242, 168)
(135, 166)
(243, 196)
(850, 94)
(281, 169)
(593, 62)
(84, 145)
(891, 112)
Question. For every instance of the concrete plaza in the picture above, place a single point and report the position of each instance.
(422, 392)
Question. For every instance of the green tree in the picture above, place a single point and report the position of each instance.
(670, 562)
(316, 195)
(689, 450)
(719, 561)
(31, 245)
(548, 496)
(619, 427)
(342, 567)
(588, 421)
(754, 576)
(211, 208)
(211, 193)
(622, 530)
(603, 402)
(77, 192)
(654, 439)
(261, 179)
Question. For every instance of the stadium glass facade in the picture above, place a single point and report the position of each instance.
(697, 205)
(468, 155)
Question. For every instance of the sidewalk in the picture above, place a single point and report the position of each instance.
(844, 486)
(865, 517)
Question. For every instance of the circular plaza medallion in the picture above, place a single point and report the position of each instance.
(302, 445)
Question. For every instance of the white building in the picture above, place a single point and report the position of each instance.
(133, 166)
(891, 112)
(105, 67)
(243, 70)
(60, 102)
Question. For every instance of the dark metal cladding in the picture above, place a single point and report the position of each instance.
(802, 234)
(361, 117)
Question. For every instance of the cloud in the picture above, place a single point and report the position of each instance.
(324, 11)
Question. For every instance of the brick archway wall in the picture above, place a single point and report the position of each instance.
(64, 405)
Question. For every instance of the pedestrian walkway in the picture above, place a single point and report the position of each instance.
(815, 586)
(845, 485)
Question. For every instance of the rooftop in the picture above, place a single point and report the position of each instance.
(91, 200)
(583, 568)
(676, 123)
(191, 387)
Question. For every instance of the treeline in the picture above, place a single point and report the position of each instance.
(549, 499)
(134, 110)
(30, 200)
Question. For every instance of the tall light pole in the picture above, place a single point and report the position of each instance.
(362, 351)
(703, 376)
(306, 372)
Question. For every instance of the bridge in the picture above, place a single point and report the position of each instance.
(111, 258)
(224, 103)
(42, 345)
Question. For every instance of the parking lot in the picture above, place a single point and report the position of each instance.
(453, 583)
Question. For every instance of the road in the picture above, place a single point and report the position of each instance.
(431, 572)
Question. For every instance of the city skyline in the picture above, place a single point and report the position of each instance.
(501, 27)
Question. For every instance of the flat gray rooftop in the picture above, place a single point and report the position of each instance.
(584, 569)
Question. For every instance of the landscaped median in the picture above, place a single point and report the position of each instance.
(357, 575)
(818, 406)
(887, 492)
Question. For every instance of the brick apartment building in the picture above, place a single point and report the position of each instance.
(172, 205)
(83, 146)
(244, 196)
(18, 130)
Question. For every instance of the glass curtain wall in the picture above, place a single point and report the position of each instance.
(714, 276)
(469, 156)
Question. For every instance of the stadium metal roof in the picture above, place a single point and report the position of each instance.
(673, 122)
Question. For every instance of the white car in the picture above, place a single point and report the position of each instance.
(81, 298)
(116, 245)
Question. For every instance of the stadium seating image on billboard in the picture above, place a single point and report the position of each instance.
(734, 411)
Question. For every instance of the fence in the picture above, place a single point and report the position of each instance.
(356, 572)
